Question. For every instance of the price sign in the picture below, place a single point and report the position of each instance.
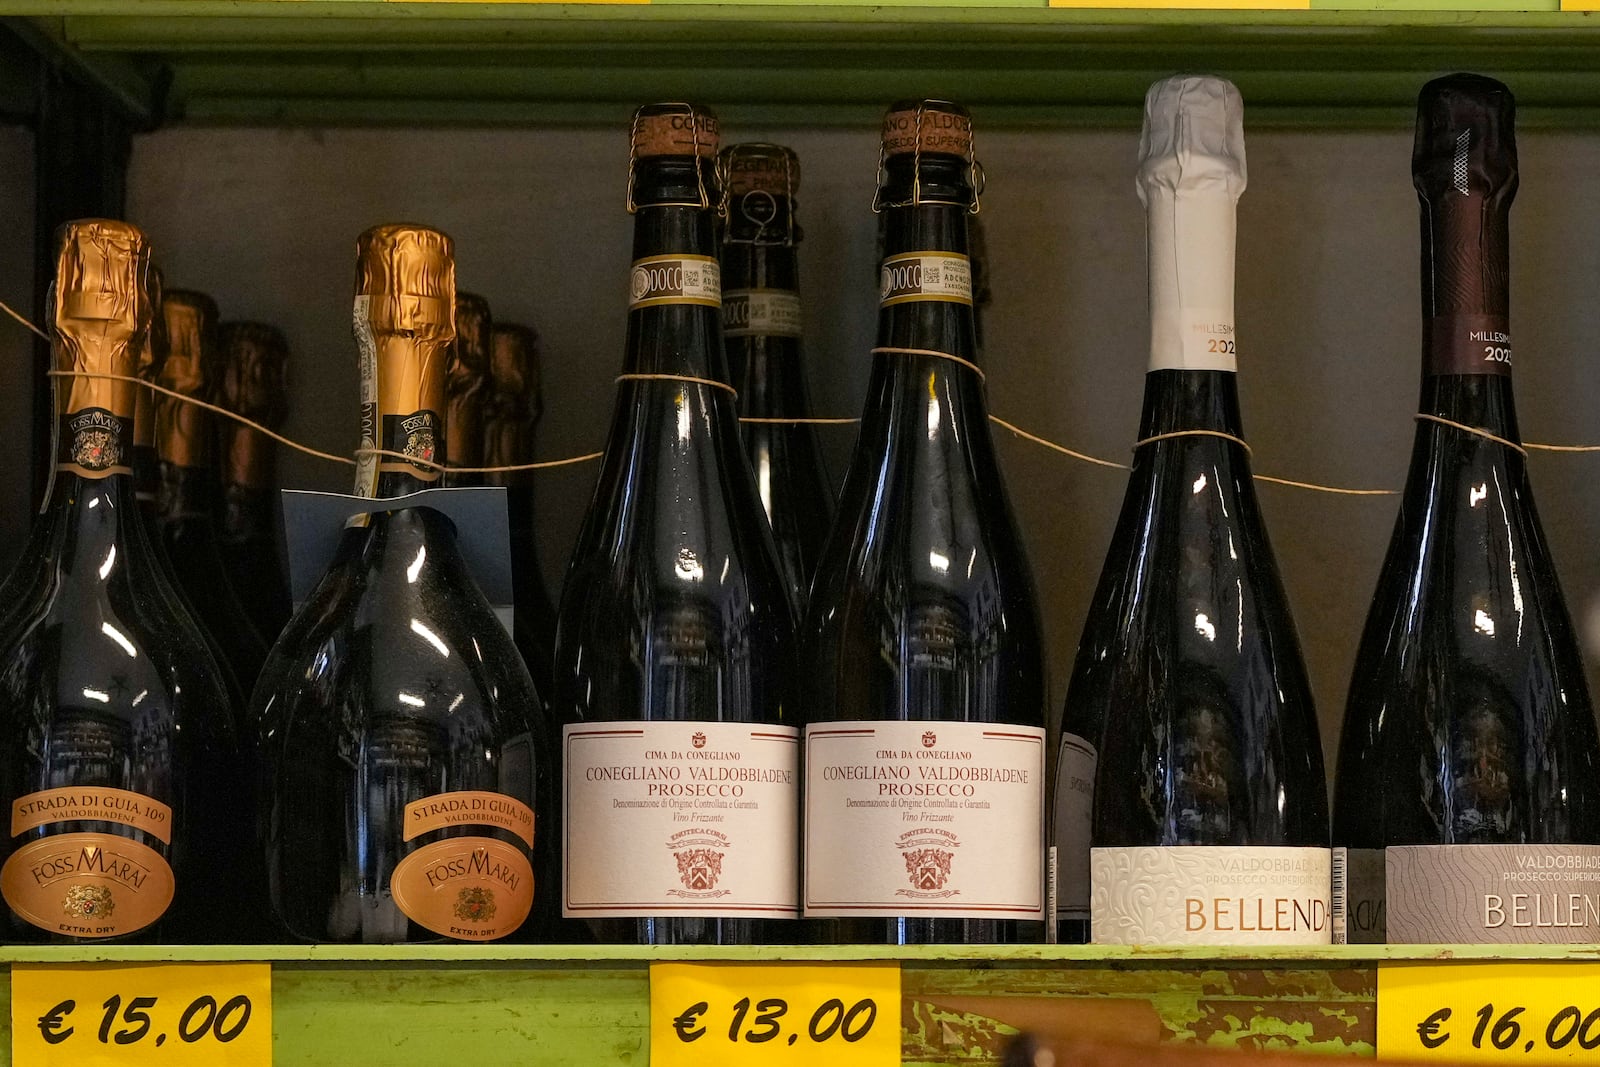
(754, 1015)
(174, 1015)
(1525, 1013)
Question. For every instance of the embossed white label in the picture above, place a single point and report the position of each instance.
(666, 818)
(1074, 810)
(1210, 895)
(938, 819)
(761, 313)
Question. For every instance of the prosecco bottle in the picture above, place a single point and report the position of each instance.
(145, 460)
(1468, 788)
(255, 366)
(761, 335)
(923, 662)
(404, 774)
(467, 386)
(510, 421)
(119, 750)
(186, 441)
(673, 657)
(1210, 812)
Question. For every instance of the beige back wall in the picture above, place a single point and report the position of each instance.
(266, 220)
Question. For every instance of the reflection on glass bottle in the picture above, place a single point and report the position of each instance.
(118, 769)
(406, 799)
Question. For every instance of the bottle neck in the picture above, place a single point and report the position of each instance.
(675, 288)
(1190, 239)
(1466, 267)
(1179, 400)
(403, 374)
(925, 280)
(761, 326)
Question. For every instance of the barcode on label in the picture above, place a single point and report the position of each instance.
(1052, 891)
(1338, 893)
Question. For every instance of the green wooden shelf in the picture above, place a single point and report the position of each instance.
(585, 1005)
(1018, 63)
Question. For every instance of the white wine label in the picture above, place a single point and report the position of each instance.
(1194, 339)
(1210, 895)
(1364, 918)
(761, 313)
(1074, 810)
(926, 276)
(937, 819)
(657, 280)
(1492, 894)
(671, 818)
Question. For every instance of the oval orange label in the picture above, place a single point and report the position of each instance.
(468, 888)
(87, 885)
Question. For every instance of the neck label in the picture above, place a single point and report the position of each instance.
(94, 443)
(1195, 338)
(657, 280)
(945, 276)
(761, 313)
(1469, 344)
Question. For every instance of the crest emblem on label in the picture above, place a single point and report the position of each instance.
(698, 740)
(929, 739)
(929, 856)
(699, 855)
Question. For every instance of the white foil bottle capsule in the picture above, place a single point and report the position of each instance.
(1191, 174)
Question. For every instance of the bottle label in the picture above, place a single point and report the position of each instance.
(87, 884)
(1493, 894)
(1074, 811)
(1359, 901)
(1210, 895)
(1195, 338)
(943, 276)
(761, 313)
(657, 280)
(1469, 344)
(93, 803)
(468, 808)
(935, 819)
(94, 443)
(681, 818)
(468, 888)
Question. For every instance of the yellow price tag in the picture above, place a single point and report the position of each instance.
(172, 1014)
(1524, 1013)
(765, 1015)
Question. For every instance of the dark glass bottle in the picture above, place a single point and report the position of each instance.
(400, 734)
(120, 755)
(468, 386)
(674, 654)
(255, 367)
(761, 336)
(923, 661)
(185, 438)
(146, 462)
(1189, 683)
(1469, 723)
(512, 415)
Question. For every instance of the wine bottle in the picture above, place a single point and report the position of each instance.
(146, 461)
(510, 420)
(674, 652)
(1468, 788)
(1210, 812)
(468, 385)
(761, 333)
(185, 439)
(120, 753)
(923, 661)
(405, 779)
(255, 366)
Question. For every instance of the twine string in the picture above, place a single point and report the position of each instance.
(1241, 442)
(889, 350)
(691, 379)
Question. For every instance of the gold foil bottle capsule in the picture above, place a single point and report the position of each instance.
(467, 383)
(255, 369)
(183, 431)
(515, 404)
(100, 322)
(404, 322)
